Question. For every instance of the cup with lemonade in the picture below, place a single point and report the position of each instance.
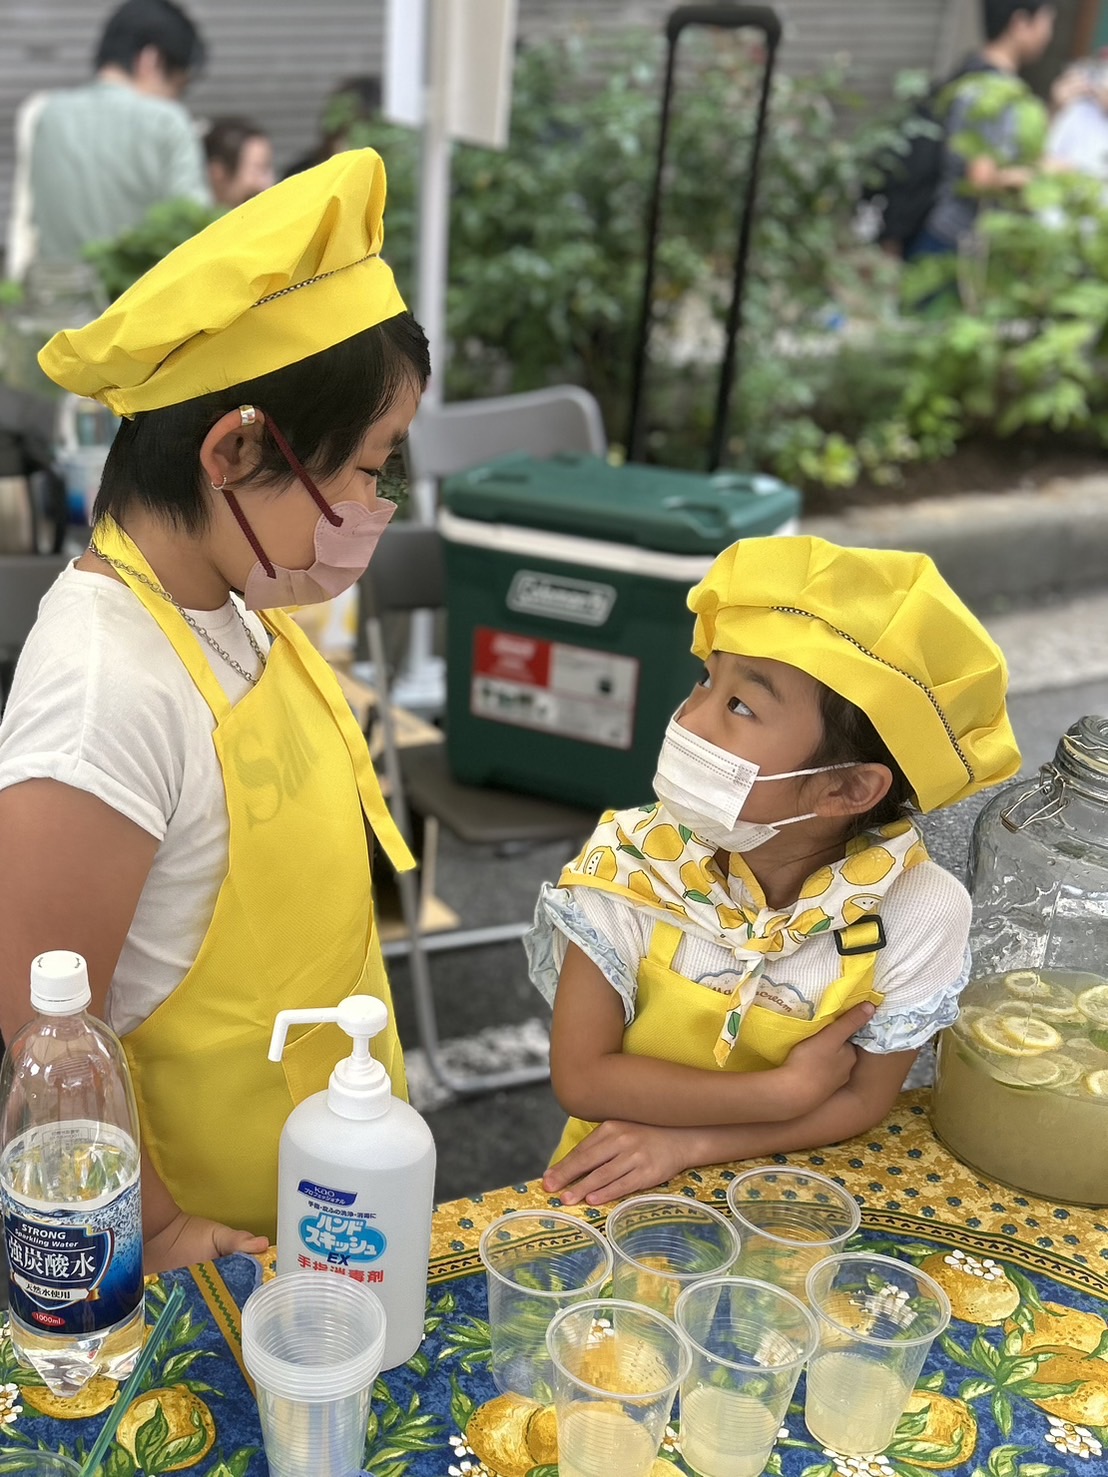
(749, 1343)
(877, 1319)
(617, 1367)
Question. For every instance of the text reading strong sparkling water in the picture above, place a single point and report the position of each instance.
(73, 1233)
(854, 1403)
(725, 1433)
(600, 1440)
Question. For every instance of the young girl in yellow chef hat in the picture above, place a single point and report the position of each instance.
(749, 964)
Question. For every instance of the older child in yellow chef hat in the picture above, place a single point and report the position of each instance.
(184, 794)
(750, 964)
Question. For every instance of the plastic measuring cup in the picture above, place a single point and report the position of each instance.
(617, 1367)
(537, 1262)
(661, 1244)
(789, 1219)
(749, 1343)
(877, 1319)
(313, 1345)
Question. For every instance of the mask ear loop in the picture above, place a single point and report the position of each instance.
(300, 471)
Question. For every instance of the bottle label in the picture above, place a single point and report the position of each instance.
(74, 1268)
(334, 1239)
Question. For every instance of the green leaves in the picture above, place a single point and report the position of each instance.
(156, 1451)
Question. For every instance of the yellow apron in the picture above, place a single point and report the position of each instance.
(293, 926)
(678, 1020)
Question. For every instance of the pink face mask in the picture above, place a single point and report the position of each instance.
(345, 538)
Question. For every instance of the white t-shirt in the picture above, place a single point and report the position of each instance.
(102, 702)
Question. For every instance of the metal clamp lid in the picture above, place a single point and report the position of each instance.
(1052, 786)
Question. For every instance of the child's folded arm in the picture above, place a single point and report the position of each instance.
(622, 1158)
(594, 1079)
(859, 1105)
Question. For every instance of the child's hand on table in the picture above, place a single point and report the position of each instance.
(618, 1159)
(189, 1239)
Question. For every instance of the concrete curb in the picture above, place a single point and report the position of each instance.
(997, 550)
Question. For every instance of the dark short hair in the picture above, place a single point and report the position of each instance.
(225, 138)
(849, 737)
(998, 15)
(158, 23)
(357, 100)
(324, 405)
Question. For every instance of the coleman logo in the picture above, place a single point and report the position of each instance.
(560, 598)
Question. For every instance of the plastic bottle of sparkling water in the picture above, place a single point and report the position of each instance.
(69, 1185)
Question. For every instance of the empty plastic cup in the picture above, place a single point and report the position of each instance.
(788, 1220)
(877, 1319)
(313, 1345)
(537, 1263)
(749, 1343)
(661, 1244)
(617, 1367)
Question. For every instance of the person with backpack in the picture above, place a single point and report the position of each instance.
(933, 192)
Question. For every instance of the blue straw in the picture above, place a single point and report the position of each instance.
(130, 1389)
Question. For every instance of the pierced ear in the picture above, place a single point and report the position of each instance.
(854, 791)
(230, 450)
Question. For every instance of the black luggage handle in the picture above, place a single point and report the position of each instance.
(726, 17)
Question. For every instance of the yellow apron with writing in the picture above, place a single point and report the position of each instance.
(293, 926)
(678, 1020)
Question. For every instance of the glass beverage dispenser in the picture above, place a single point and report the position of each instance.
(1021, 1092)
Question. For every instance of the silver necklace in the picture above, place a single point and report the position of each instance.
(150, 584)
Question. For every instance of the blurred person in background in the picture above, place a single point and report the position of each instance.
(1078, 137)
(240, 160)
(1017, 32)
(357, 100)
(100, 155)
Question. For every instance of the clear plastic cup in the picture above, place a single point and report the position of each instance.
(664, 1243)
(877, 1319)
(617, 1367)
(313, 1345)
(789, 1219)
(537, 1263)
(749, 1343)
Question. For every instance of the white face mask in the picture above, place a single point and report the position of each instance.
(705, 788)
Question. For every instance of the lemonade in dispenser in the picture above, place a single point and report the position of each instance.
(1021, 1093)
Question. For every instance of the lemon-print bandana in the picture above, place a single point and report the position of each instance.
(645, 857)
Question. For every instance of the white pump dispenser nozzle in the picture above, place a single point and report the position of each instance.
(359, 1085)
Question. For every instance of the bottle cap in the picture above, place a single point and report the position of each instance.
(59, 983)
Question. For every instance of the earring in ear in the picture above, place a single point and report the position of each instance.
(219, 486)
(247, 415)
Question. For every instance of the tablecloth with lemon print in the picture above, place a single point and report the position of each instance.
(1018, 1387)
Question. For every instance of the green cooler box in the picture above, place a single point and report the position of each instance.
(568, 633)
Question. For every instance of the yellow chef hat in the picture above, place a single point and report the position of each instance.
(884, 630)
(293, 271)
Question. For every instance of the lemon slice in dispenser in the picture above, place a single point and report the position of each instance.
(1093, 1005)
(1046, 1071)
(1016, 1035)
(1051, 1002)
(1096, 1083)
